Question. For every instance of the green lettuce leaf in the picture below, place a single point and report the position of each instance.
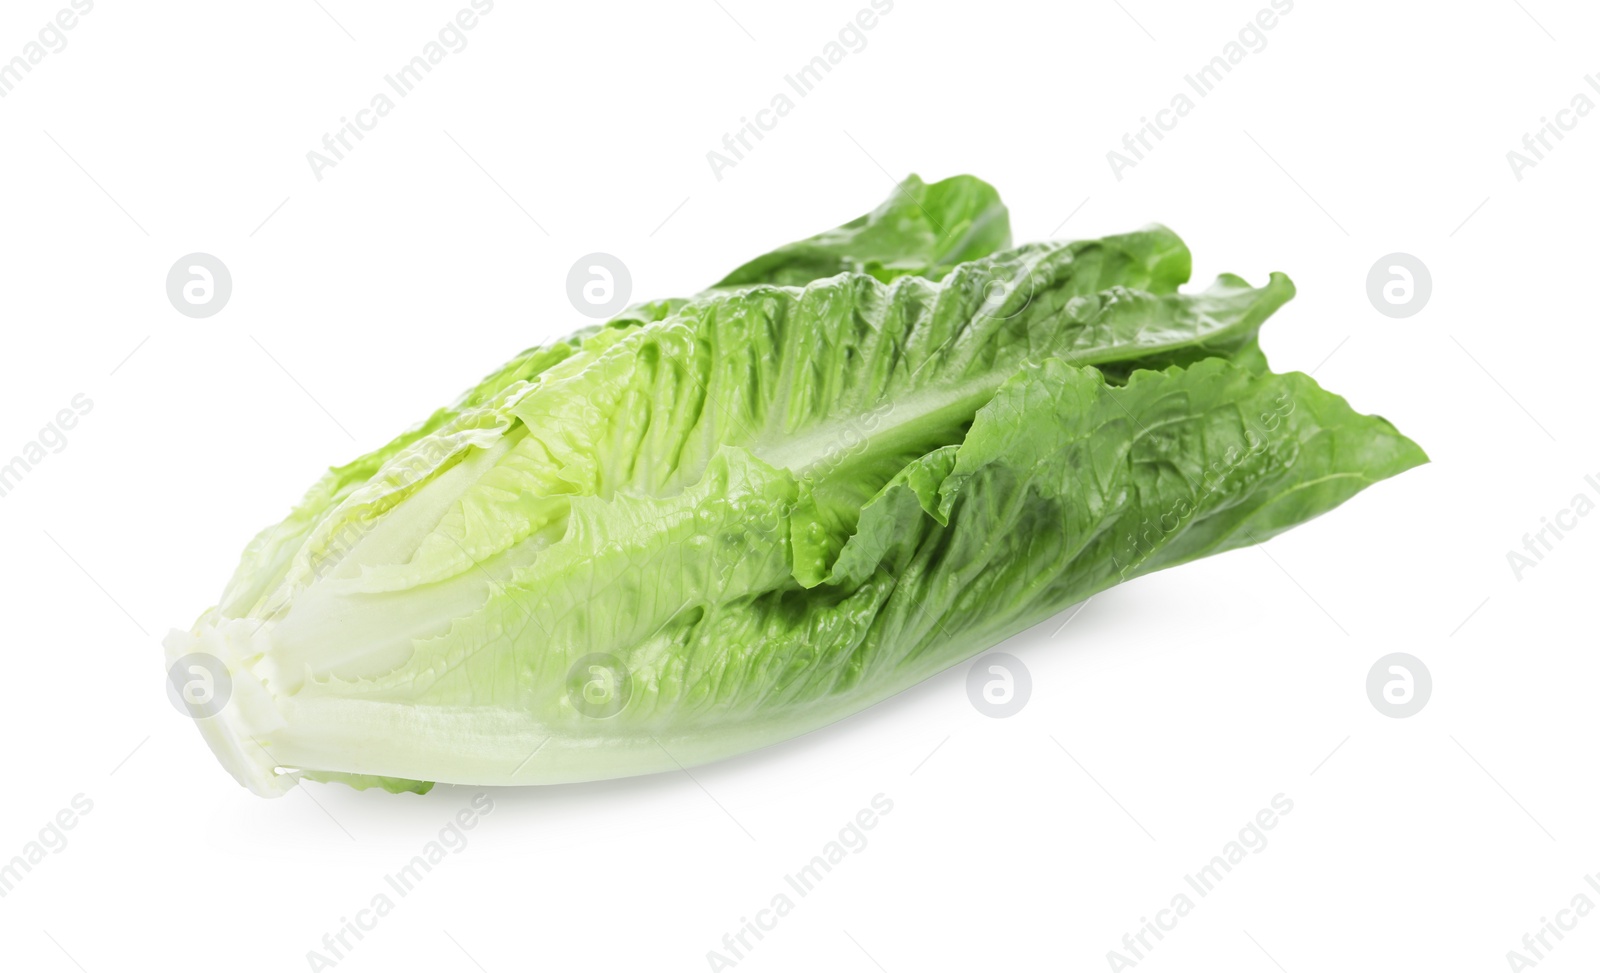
(719, 521)
(920, 229)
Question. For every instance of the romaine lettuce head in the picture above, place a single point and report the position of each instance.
(717, 522)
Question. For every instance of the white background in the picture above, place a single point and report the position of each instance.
(1186, 700)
